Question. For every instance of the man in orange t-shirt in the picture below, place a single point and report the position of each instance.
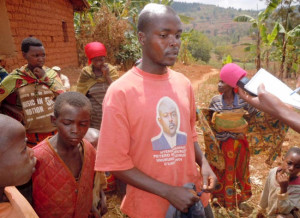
(16, 167)
(152, 103)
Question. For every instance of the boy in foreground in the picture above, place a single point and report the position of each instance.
(281, 194)
(17, 163)
(64, 176)
(132, 116)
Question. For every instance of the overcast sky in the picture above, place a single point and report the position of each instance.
(243, 4)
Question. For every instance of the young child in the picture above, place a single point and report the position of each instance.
(65, 80)
(64, 176)
(27, 94)
(281, 194)
(95, 79)
(16, 167)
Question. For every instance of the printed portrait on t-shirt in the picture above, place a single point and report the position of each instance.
(168, 119)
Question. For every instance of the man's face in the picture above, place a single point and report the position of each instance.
(35, 56)
(291, 164)
(17, 161)
(168, 119)
(72, 124)
(161, 40)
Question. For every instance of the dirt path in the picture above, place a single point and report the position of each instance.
(196, 83)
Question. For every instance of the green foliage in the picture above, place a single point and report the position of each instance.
(220, 51)
(130, 51)
(227, 60)
(199, 46)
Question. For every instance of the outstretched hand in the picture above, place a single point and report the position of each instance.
(264, 101)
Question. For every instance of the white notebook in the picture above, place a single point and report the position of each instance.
(274, 86)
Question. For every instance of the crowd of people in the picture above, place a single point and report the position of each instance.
(56, 144)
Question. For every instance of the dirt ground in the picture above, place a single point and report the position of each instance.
(199, 75)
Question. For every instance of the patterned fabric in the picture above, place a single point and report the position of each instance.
(87, 78)
(23, 76)
(266, 135)
(219, 105)
(229, 124)
(236, 174)
(96, 95)
(229, 155)
(3, 73)
(230, 121)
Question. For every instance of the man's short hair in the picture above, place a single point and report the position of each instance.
(148, 12)
(295, 150)
(75, 99)
(30, 41)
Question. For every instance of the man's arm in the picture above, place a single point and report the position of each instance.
(209, 178)
(180, 197)
(273, 106)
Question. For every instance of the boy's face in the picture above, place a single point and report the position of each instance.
(161, 41)
(35, 56)
(291, 164)
(72, 124)
(17, 161)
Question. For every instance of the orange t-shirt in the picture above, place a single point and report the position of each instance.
(17, 206)
(139, 111)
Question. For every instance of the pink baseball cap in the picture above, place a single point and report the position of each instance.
(231, 74)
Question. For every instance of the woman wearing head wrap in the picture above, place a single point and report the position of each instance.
(230, 128)
(95, 79)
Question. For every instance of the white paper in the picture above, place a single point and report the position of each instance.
(275, 86)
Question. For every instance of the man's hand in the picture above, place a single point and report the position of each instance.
(209, 179)
(182, 198)
(39, 72)
(282, 178)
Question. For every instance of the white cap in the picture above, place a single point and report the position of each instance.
(56, 68)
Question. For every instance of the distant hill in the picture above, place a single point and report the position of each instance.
(213, 20)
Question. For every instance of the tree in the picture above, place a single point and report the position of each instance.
(268, 40)
(199, 46)
(287, 37)
(258, 24)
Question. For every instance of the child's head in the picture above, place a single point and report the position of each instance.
(17, 162)
(159, 32)
(72, 115)
(291, 163)
(34, 52)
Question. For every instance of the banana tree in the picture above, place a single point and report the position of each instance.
(287, 36)
(268, 40)
(257, 24)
